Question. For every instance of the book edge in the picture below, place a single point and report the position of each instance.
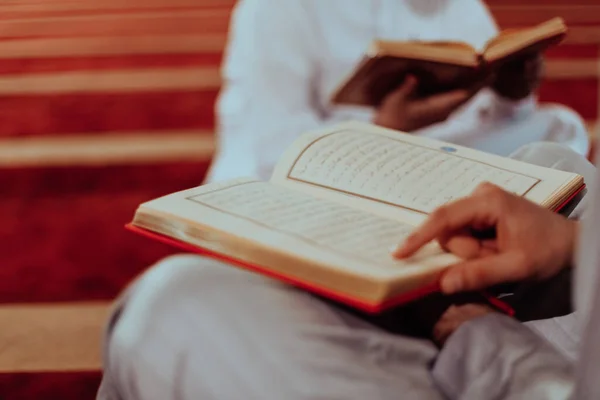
(554, 36)
(360, 304)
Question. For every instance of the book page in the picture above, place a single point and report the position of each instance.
(460, 53)
(268, 216)
(322, 223)
(405, 171)
(536, 38)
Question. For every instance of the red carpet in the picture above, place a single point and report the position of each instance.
(63, 233)
(78, 79)
(105, 112)
(62, 237)
(49, 386)
(26, 65)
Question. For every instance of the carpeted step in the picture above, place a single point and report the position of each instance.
(49, 385)
(99, 63)
(103, 104)
(39, 115)
(62, 231)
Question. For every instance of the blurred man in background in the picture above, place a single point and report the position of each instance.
(284, 60)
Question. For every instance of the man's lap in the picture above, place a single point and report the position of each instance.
(193, 326)
(241, 334)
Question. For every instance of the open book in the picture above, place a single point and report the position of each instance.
(439, 66)
(338, 201)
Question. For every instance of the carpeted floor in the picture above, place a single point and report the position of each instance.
(49, 385)
(67, 242)
(105, 104)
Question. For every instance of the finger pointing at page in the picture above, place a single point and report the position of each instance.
(448, 221)
(529, 242)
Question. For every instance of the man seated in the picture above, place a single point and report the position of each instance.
(284, 60)
(193, 328)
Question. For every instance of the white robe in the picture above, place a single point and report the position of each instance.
(285, 58)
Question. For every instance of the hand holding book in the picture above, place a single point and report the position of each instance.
(510, 61)
(405, 110)
(531, 242)
(518, 78)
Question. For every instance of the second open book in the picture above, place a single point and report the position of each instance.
(338, 201)
(440, 66)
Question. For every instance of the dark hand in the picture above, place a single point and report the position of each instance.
(531, 242)
(403, 110)
(520, 77)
